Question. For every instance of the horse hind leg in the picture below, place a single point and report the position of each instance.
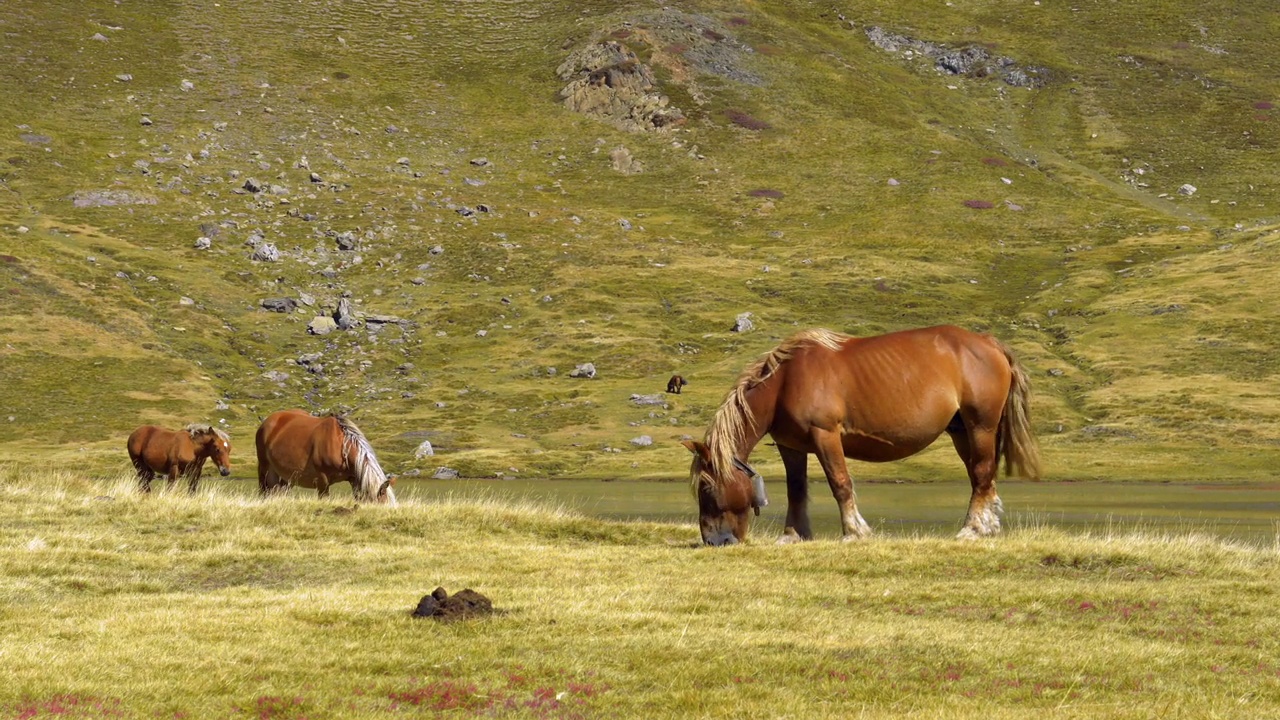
(145, 473)
(977, 449)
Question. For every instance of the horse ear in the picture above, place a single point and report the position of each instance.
(382, 490)
(697, 448)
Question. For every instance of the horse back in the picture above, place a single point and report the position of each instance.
(904, 383)
(298, 445)
(159, 446)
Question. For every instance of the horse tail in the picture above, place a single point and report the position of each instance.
(364, 464)
(1014, 439)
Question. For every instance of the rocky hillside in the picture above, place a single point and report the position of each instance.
(435, 216)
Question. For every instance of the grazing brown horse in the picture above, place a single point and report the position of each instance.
(178, 452)
(297, 448)
(877, 399)
(675, 383)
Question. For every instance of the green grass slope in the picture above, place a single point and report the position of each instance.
(819, 180)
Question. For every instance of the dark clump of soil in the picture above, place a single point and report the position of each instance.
(741, 119)
(440, 605)
(766, 193)
(979, 204)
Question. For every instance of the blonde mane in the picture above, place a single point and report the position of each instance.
(735, 415)
(197, 429)
(363, 461)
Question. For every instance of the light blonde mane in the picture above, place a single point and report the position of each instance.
(735, 415)
(195, 430)
(363, 462)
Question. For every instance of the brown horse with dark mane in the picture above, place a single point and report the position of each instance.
(178, 452)
(297, 448)
(675, 383)
(877, 399)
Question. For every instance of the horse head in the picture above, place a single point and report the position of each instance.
(385, 494)
(213, 444)
(726, 498)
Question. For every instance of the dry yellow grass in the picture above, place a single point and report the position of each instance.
(225, 606)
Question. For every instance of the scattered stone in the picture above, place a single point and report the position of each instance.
(322, 325)
(403, 161)
(252, 185)
(585, 370)
(436, 250)
(444, 473)
(346, 240)
(184, 300)
(480, 162)
(203, 243)
(624, 163)
(344, 316)
(642, 441)
(99, 37)
(187, 86)
(893, 182)
(424, 450)
(265, 252)
(743, 323)
(145, 121)
(309, 359)
(1187, 190)
(439, 605)
(275, 376)
(971, 61)
(1056, 372)
(124, 77)
(109, 198)
(306, 299)
(280, 305)
(648, 399)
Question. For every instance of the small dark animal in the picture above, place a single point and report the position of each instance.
(675, 383)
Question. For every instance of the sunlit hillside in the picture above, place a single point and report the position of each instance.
(1095, 183)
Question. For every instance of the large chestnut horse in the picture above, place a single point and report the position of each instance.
(178, 452)
(877, 399)
(297, 448)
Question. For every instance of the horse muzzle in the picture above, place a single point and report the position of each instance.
(720, 539)
(224, 471)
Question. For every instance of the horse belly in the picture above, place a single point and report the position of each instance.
(870, 447)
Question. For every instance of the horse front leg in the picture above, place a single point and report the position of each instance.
(797, 528)
(830, 452)
(193, 477)
(977, 448)
(174, 471)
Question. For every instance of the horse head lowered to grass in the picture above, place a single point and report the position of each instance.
(877, 399)
(297, 448)
(172, 453)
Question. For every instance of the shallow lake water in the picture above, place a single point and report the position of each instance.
(1241, 512)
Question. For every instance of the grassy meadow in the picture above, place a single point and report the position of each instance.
(219, 606)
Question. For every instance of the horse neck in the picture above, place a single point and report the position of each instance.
(763, 400)
(760, 400)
